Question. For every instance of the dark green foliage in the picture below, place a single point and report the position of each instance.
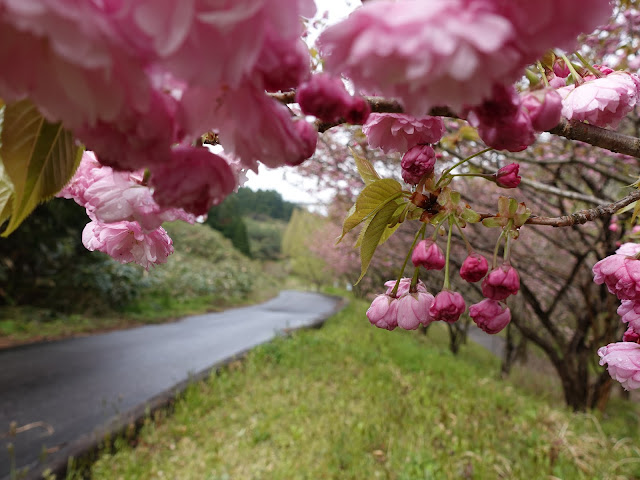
(261, 237)
(265, 238)
(44, 264)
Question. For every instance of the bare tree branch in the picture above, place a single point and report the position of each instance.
(584, 216)
(583, 132)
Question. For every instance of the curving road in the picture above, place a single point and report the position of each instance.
(77, 388)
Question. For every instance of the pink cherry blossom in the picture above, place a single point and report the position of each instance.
(490, 316)
(254, 127)
(501, 282)
(442, 52)
(383, 312)
(138, 139)
(324, 97)
(403, 288)
(195, 179)
(631, 336)
(544, 108)
(413, 310)
(398, 132)
(602, 101)
(126, 242)
(447, 306)
(629, 312)
(507, 176)
(282, 64)
(417, 162)
(629, 249)
(623, 359)
(621, 275)
(429, 255)
(474, 268)
(501, 120)
(89, 171)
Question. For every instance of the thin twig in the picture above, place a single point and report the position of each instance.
(584, 216)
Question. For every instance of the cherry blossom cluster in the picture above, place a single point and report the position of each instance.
(621, 274)
(406, 303)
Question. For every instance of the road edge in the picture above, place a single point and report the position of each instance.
(86, 446)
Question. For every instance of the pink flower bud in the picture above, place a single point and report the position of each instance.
(631, 336)
(507, 176)
(544, 107)
(474, 268)
(358, 112)
(490, 316)
(383, 312)
(324, 97)
(623, 359)
(417, 162)
(447, 306)
(561, 69)
(403, 288)
(307, 138)
(501, 282)
(629, 311)
(413, 310)
(428, 255)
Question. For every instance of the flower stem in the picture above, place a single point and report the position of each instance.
(495, 250)
(449, 170)
(448, 253)
(543, 73)
(587, 65)
(406, 260)
(488, 176)
(464, 237)
(577, 78)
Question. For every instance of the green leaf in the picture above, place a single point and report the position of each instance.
(492, 222)
(6, 193)
(373, 197)
(469, 215)
(365, 169)
(39, 158)
(373, 234)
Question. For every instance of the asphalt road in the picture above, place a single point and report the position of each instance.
(75, 387)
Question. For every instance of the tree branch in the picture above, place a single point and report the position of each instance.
(584, 216)
(573, 130)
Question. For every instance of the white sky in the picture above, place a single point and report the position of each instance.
(284, 180)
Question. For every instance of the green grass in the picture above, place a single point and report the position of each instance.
(353, 402)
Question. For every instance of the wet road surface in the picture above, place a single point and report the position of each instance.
(75, 387)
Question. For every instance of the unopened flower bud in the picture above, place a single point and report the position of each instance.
(383, 312)
(501, 282)
(544, 107)
(507, 176)
(490, 316)
(413, 310)
(324, 97)
(417, 162)
(474, 268)
(631, 336)
(428, 255)
(447, 306)
(358, 112)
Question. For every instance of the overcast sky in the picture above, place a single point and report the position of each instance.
(291, 186)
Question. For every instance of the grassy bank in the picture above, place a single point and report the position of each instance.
(353, 402)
